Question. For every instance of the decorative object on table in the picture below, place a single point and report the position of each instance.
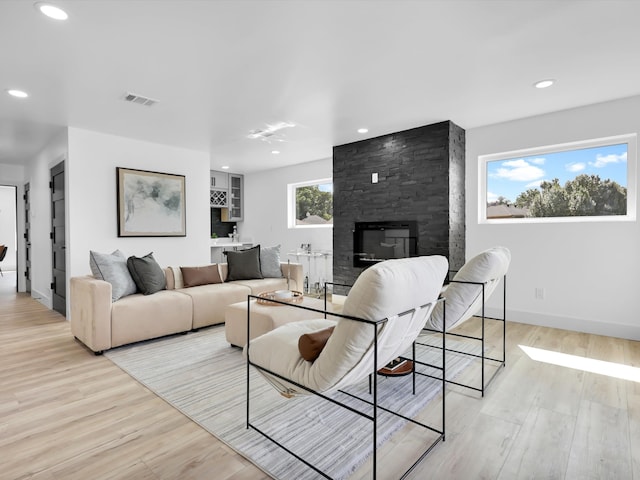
(288, 274)
(150, 204)
(288, 296)
(397, 368)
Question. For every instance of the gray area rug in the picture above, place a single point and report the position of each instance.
(205, 378)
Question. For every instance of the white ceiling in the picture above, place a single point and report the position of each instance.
(222, 68)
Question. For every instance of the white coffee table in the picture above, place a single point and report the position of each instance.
(266, 317)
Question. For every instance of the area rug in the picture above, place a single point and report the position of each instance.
(203, 377)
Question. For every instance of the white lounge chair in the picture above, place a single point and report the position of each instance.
(466, 295)
(383, 314)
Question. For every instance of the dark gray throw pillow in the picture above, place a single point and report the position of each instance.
(244, 264)
(147, 274)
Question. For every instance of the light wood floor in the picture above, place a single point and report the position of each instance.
(67, 414)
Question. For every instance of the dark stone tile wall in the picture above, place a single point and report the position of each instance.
(421, 177)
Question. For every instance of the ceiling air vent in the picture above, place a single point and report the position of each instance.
(140, 100)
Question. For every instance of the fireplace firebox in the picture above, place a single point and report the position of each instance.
(375, 242)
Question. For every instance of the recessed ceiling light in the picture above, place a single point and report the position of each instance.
(225, 167)
(275, 152)
(363, 130)
(51, 11)
(17, 93)
(544, 83)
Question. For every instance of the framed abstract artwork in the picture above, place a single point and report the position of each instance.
(150, 204)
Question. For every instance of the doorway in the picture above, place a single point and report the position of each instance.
(58, 243)
(27, 237)
(8, 238)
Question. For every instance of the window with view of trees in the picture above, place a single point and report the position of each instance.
(311, 204)
(586, 179)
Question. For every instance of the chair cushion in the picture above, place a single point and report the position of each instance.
(464, 300)
(382, 291)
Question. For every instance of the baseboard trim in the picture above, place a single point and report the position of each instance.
(42, 298)
(608, 329)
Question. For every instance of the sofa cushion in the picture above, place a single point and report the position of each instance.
(112, 268)
(147, 274)
(194, 276)
(244, 264)
(138, 317)
(209, 301)
(263, 285)
(270, 262)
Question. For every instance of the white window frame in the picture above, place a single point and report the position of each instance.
(291, 203)
(629, 139)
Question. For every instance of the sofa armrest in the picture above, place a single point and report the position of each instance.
(295, 273)
(90, 302)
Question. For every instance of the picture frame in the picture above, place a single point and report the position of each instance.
(150, 204)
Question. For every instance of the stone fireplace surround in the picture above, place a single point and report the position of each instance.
(420, 177)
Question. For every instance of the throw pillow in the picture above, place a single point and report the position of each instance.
(112, 268)
(311, 344)
(270, 262)
(194, 276)
(147, 274)
(244, 264)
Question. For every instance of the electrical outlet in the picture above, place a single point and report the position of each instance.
(539, 293)
(374, 177)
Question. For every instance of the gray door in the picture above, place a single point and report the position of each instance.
(27, 239)
(59, 274)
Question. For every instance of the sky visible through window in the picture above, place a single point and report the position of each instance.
(510, 177)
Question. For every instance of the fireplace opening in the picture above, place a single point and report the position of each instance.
(375, 242)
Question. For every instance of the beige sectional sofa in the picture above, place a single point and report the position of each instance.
(102, 324)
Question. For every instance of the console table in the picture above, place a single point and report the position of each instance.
(316, 269)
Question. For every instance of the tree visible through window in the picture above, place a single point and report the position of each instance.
(582, 181)
(311, 203)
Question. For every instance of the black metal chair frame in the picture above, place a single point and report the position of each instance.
(372, 403)
(498, 362)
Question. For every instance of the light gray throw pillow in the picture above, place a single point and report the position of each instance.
(112, 268)
(270, 262)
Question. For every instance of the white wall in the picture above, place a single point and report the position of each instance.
(265, 215)
(38, 175)
(8, 227)
(92, 204)
(590, 271)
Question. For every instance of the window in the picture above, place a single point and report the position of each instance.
(580, 181)
(311, 204)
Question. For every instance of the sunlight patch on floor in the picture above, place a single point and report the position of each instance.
(611, 369)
